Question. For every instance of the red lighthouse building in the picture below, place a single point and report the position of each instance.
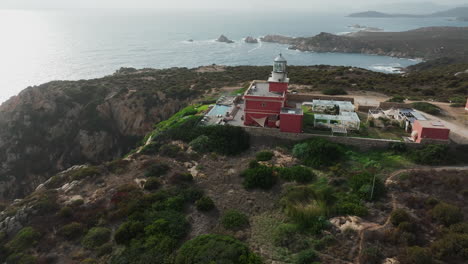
(266, 102)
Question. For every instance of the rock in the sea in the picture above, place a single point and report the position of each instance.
(224, 39)
(250, 39)
(190, 40)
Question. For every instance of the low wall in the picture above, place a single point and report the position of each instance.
(309, 97)
(388, 105)
(365, 108)
(271, 136)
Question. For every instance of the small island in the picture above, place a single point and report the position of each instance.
(224, 39)
(251, 40)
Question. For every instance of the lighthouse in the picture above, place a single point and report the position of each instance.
(278, 81)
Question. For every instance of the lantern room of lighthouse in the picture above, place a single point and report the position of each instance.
(279, 80)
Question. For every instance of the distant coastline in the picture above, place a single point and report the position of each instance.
(460, 13)
(424, 43)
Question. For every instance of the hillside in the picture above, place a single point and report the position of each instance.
(199, 194)
(428, 43)
(54, 126)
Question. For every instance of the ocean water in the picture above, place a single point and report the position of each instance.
(37, 46)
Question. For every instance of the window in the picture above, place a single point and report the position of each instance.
(264, 104)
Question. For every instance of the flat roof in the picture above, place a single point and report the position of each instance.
(261, 88)
(292, 111)
(345, 116)
(432, 124)
(332, 102)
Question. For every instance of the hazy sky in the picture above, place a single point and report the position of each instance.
(317, 5)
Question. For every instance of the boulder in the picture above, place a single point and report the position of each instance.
(250, 39)
(224, 39)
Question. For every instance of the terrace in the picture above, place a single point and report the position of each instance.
(261, 88)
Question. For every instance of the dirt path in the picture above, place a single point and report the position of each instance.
(389, 181)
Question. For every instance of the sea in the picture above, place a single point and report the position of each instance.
(38, 46)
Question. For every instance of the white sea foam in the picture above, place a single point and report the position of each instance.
(259, 45)
(387, 68)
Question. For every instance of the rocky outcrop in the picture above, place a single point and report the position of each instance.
(48, 128)
(224, 39)
(251, 40)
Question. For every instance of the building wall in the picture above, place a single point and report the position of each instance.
(273, 137)
(425, 133)
(279, 87)
(291, 123)
(259, 107)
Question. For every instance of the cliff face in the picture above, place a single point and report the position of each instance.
(427, 43)
(51, 127)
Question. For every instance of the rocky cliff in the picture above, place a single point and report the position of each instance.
(53, 126)
(427, 43)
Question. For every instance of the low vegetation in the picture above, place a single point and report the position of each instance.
(215, 249)
(234, 220)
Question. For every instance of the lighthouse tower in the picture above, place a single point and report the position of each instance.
(279, 80)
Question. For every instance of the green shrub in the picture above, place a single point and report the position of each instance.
(397, 99)
(104, 249)
(431, 154)
(253, 164)
(207, 249)
(77, 202)
(264, 155)
(306, 257)
(96, 237)
(227, 140)
(372, 255)
(451, 246)
(157, 170)
(260, 177)
(334, 91)
(170, 150)
(24, 239)
(200, 144)
(398, 147)
(350, 204)
(461, 228)
(318, 153)
(127, 231)
(65, 212)
(84, 173)
(361, 184)
(447, 214)
(117, 166)
(299, 174)
(289, 236)
(427, 107)
(180, 178)
(205, 204)
(21, 258)
(399, 216)
(418, 255)
(152, 184)
(151, 149)
(72, 230)
(234, 220)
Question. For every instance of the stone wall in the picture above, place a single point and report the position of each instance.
(389, 105)
(271, 136)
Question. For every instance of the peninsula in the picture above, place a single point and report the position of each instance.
(427, 43)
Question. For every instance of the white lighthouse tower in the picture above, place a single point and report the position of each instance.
(279, 76)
